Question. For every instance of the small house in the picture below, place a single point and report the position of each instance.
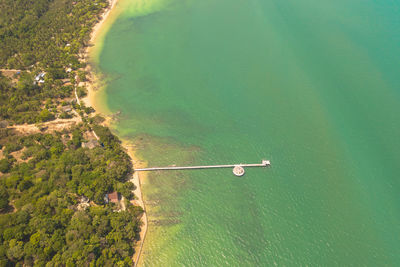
(90, 144)
(40, 77)
(66, 109)
(112, 197)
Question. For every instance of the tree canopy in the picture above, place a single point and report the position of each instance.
(39, 197)
(52, 208)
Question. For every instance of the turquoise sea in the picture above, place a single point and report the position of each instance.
(314, 86)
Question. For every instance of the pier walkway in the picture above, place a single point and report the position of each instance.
(238, 169)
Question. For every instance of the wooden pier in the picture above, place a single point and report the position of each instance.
(238, 169)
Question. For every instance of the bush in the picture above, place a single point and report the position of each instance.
(81, 91)
(89, 110)
(12, 147)
(24, 185)
(3, 198)
(65, 115)
(4, 166)
(45, 115)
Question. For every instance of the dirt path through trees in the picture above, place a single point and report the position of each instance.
(51, 126)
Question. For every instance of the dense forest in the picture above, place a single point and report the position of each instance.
(53, 187)
(41, 199)
(46, 32)
(42, 36)
(27, 102)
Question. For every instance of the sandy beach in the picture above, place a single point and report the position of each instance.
(93, 82)
(94, 86)
(137, 180)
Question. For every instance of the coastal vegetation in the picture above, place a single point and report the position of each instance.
(47, 33)
(52, 183)
(41, 192)
(45, 37)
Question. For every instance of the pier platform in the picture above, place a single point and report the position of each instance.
(238, 169)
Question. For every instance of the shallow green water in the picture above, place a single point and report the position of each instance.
(311, 85)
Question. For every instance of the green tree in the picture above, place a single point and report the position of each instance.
(16, 250)
(4, 165)
(3, 197)
(26, 85)
(24, 185)
(45, 115)
(77, 138)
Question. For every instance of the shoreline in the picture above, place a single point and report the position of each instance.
(91, 100)
(92, 80)
(138, 181)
